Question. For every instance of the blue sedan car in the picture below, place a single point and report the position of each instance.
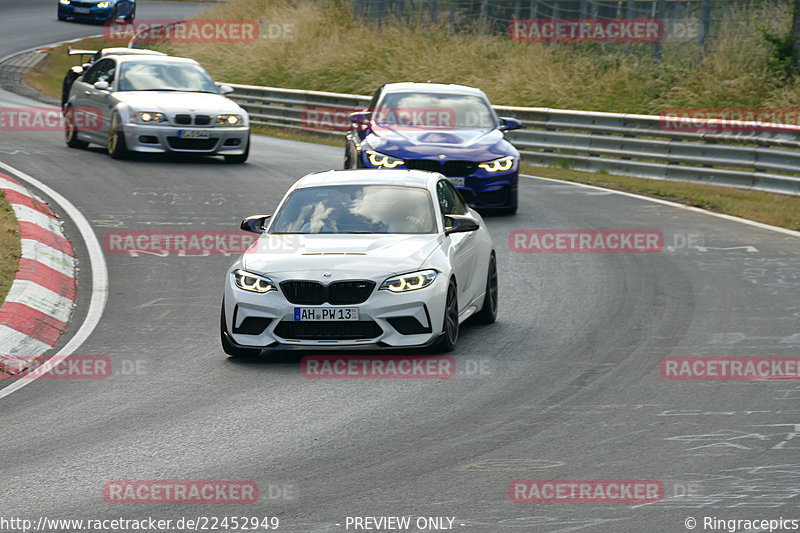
(97, 11)
(451, 129)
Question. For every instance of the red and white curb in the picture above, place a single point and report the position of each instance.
(40, 300)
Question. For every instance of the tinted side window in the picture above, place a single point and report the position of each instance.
(101, 71)
(449, 199)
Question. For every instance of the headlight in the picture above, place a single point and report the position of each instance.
(409, 282)
(64, 2)
(228, 120)
(497, 165)
(148, 117)
(102, 5)
(377, 159)
(252, 282)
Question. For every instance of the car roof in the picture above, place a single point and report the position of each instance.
(449, 88)
(130, 51)
(141, 58)
(403, 178)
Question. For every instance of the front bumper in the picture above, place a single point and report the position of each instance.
(94, 13)
(481, 188)
(386, 320)
(154, 138)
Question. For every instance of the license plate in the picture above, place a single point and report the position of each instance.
(194, 134)
(457, 182)
(82, 10)
(324, 314)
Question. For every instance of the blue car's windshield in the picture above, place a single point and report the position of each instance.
(165, 76)
(433, 110)
(356, 209)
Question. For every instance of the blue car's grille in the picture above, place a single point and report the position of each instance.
(84, 4)
(448, 168)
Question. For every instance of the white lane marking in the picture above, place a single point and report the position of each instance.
(673, 204)
(99, 296)
(42, 299)
(745, 248)
(25, 344)
(48, 256)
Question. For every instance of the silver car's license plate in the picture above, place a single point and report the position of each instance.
(82, 10)
(194, 134)
(325, 314)
(457, 182)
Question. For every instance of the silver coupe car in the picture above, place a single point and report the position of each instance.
(156, 104)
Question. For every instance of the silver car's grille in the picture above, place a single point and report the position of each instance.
(184, 119)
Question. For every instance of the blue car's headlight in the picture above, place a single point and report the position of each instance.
(103, 5)
(64, 2)
(498, 165)
(409, 282)
(252, 282)
(377, 159)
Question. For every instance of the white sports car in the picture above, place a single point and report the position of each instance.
(361, 258)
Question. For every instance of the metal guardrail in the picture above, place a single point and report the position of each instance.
(633, 145)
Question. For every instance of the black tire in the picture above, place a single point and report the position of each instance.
(239, 159)
(131, 16)
(488, 312)
(450, 327)
(347, 164)
(114, 15)
(71, 130)
(227, 347)
(116, 139)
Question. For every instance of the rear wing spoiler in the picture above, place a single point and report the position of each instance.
(78, 52)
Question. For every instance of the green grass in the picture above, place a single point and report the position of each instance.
(9, 245)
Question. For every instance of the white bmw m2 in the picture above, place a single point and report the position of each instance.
(361, 258)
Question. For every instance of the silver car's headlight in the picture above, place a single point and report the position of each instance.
(409, 282)
(498, 165)
(148, 117)
(229, 120)
(252, 282)
(377, 159)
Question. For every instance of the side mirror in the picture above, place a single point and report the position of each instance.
(225, 89)
(459, 224)
(359, 117)
(101, 85)
(254, 223)
(508, 124)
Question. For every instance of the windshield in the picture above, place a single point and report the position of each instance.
(166, 76)
(356, 209)
(433, 110)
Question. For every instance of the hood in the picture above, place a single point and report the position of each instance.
(473, 144)
(345, 256)
(178, 102)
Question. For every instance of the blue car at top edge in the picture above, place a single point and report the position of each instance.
(97, 10)
(451, 129)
